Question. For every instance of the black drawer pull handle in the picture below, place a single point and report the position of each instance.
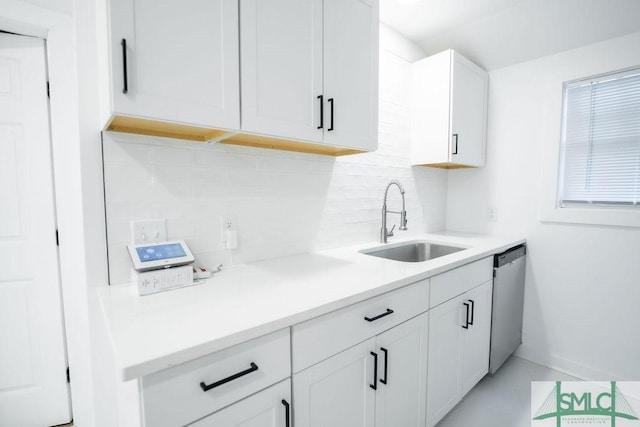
(330, 100)
(473, 309)
(466, 317)
(386, 313)
(375, 371)
(125, 87)
(386, 365)
(206, 387)
(287, 413)
(455, 150)
(321, 98)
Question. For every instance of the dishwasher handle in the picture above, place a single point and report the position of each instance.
(509, 256)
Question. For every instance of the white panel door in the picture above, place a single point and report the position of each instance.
(282, 68)
(182, 60)
(33, 385)
(445, 346)
(402, 373)
(468, 113)
(351, 73)
(336, 392)
(476, 340)
(268, 408)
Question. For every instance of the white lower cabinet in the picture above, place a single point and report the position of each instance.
(268, 408)
(379, 382)
(402, 359)
(459, 334)
(336, 392)
(183, 394)
(401, 398)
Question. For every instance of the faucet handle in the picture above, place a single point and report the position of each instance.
(403, 220)
(390, 232)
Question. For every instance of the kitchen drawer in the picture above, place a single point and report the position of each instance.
(458, 281)
(175, 397)
(324, 336)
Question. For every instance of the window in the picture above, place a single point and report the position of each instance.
(600, 146)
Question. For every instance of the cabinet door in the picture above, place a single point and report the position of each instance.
(430, 100)
(351, 73)
(468, 113)
(269, 408)
(282, 68)
(336, 392)
(182, 60)
(445, 346)
(474, 363)
(402, 374)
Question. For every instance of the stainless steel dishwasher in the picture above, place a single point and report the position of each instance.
(508, 302)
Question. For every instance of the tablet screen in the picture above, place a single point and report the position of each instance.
(160, 252)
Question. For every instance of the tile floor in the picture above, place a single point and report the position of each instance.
(504, 399)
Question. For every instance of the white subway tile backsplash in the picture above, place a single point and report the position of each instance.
(285, 203)
(164, 155)
(209, 175)
(224, 160)
(171, 174)
(124, 211)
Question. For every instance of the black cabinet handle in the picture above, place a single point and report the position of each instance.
(321, 98)
(455, 150)
(386, 366)
(466, 317)
(375, 371)
(206, 387)
(331, 121)
(386, 313)
(287, 413)
(125, 87)
(473, 309)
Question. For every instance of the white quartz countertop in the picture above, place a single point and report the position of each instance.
(245, 301)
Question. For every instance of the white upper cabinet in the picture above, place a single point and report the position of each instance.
(449, 112)
(175, 61)
(310, 71)
(351, 73)
(299, 75)
(282, 67)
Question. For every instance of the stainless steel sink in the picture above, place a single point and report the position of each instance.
(413, 251)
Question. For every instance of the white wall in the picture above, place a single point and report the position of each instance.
(285, 203)
(583, 281)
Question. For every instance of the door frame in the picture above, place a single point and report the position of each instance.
(69, 29)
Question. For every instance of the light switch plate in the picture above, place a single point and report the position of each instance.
(148, 231)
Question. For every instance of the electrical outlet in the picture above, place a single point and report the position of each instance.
(492, 214)
(148, 231)
(227, 222)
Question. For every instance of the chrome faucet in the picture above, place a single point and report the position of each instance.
(403, 213)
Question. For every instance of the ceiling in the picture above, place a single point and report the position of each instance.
(498, 33)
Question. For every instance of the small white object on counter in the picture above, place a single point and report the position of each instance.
(150, 282)
(200, 272)
(247, 301)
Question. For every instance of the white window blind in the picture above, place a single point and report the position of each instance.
(600, 159)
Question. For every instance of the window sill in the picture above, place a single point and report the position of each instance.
(614, 217)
